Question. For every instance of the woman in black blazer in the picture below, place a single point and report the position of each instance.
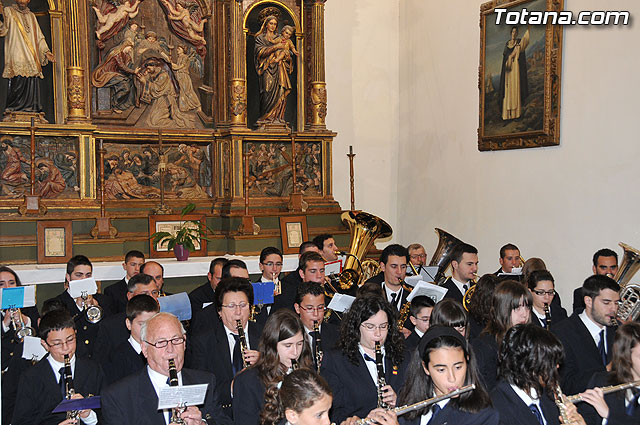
(480, 305)
(542, 288)
(528, 378)
(621, 407)
(511, 305)
(443, 363)
(350, 369)
(282, 345)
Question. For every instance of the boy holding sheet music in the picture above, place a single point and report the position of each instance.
(42, 386)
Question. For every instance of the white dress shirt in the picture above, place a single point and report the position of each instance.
(159, 381)
(594, 329)
(371, 366)
(460, 285)
(135, 344)
(398, 295)
(529, 400)
(232, 341)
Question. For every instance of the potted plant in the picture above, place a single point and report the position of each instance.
(190, 233)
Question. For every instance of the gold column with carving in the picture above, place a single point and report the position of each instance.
(76, 95)
(238, 101)
(318, 95)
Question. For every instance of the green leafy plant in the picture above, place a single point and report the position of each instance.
(190, 232)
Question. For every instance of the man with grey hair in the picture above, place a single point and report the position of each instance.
(136, 396)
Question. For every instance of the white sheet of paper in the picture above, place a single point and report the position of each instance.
(413, 280)
(186, 395)
(333, 267)
(429, 273)
(32, 349)
(205, 305)
(77, 287)
(341, 302)
(435, 292)
(29, 296)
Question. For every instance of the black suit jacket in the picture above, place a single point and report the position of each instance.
(248, 397)
(39, 392)
(117, 294)
(87, 331)
(615, 402)
(452, 416)
(514, 411)
(378, 278)
(201, 295)
(209, 351)
(412, 341)
(558, 314)
(453, 291)
(112, 331)
(354, 392)
(485, 348)
(124, 361)
(204, 320)
(133, 400)
(10, 345)
(289, 285)
(581, 356)
(10, 380)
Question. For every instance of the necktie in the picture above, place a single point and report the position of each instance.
(434, 412)
(544, 322)
(536, 412)
(393, 299)
(633, 404)
(601, 348)
(237, 355)
(465, 287)
(63, 390)
(368, 358)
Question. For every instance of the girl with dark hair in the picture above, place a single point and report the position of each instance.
(511, 305)
(621, 407)
(450, 312)
(351, 369)
(528, 378)
(282, 345)
(480, 305)
(443, 363)
(304, 398)
(542, 288)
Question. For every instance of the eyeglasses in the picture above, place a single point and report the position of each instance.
(164, 342)
(67, 341)
(372, 327)
(271, 264)
(242, 306)
(419, 256)
(154, 293)
(542, 293)
(424, 319)
(311, 309)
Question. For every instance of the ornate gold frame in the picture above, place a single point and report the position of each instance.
(549, 134)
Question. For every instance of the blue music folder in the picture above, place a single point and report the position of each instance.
(67, 405)
(263, 293)
(18, 297)
(177, 304)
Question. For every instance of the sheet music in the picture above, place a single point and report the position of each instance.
(435, 292)
(32, 349)
(18, 297)
(87, 286)
(341, 302)
(186, 395)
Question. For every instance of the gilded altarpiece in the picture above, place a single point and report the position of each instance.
(152, 102)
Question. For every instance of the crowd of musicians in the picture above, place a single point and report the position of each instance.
(510, 355)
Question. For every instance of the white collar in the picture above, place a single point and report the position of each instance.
(593, 327)
(135, 344)
(56, 365)
(158, 380)
(419, 333)
(230, 332)
(528, 399)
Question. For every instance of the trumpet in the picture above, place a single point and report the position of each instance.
(93, 313)
(422, 404)
(547, 316)
(68, 387)
(173, 382)
(318, 345)
(381, 379)
(243, 341)
(605, 390)
(20, 328)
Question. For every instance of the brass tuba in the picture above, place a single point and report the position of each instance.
(364, 228)
(629, 308)
(442, 254)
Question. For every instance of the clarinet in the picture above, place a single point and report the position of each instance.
(547, 316)
(294, 365)
(68, 387)
(243, 341)
(173, 382)
(318, 346)
(421, 404)
(381, 379)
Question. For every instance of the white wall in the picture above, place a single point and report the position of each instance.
(362, 68)
(560, 203)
